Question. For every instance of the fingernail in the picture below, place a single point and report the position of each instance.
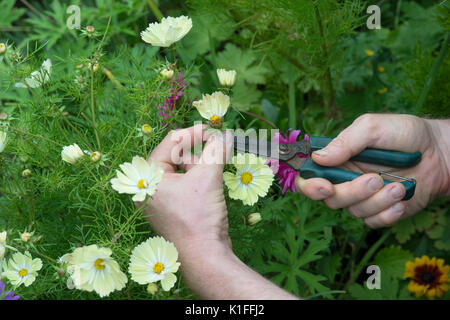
(397, 209)
(325, 192)
(375, 184)
(396, 193)
(321, 152)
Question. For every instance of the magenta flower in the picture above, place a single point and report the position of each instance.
(286, 175)
(166, 110)
(7, 295)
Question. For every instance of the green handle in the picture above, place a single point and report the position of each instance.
(388, 158)
(335, 175)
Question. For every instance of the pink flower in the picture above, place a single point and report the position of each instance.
(286, 175)
(176, 92)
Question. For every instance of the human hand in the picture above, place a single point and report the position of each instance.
(366, 197)
(190, 208)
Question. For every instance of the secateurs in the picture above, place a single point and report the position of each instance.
(307, 168)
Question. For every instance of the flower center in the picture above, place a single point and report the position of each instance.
(246, 178)
(158, 267)
(142, 184)
(216, 121)
(23, 272)
(99, 264)
(427, 277)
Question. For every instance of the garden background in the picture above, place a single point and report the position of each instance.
(309, 65)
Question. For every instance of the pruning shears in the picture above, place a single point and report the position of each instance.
(307, 168)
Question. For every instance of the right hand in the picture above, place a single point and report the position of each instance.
(366, 197)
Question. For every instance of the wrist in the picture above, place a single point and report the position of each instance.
(440, 129)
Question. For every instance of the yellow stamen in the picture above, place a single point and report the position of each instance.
(246, 178)
(99, 264)
(158, 267)
(23, 272)
(216, 121)
(142, 184)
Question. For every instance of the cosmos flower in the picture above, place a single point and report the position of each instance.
(71, 153)
(286, 175)
(226, 78)
(92, 269)
(154, 260)
(138, 178)
(428, 276)
(38, 77)
(166, 32)
(7, 295)
(2, 244)
(213, 107)
(252, 179)
(22, 269)
(3, 140)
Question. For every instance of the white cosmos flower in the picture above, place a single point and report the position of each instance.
(213, 107)
(38, 77)
(166, 32)
(93, 269)
(71, 153)
(22, 269)
(138, 178)
(154, 260)
(2, 244)
(252, 179)
(226, 78)
(3, 140)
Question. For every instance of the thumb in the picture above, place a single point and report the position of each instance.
(216, 152)
(347, 144)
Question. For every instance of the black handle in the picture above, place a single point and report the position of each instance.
(394, 159)
(335, 175)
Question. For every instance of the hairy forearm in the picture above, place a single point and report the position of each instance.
(441, 136)
(212, 271)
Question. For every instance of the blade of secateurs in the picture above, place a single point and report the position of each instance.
(259, 147)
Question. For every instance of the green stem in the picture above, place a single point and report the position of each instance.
(329, 104)
(94, 124)
(155, 10)
(397, 13)
(259, 118)
(368, 256)
(292, 110)
(107, 26)
(433, 73)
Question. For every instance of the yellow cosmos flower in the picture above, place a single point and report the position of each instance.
(252, 179)
(428, 276)
(138, 178)
(166, 32)
(22, 269)
(213, 107)
(155, 260)
(92, 269)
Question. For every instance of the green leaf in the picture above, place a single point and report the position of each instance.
(311, 253)
(270, 111)
(423, 220)
(330, 266)
(392, 261)
(313, 281)
(8, 13)
(362, 293)
(244, 62)
(403, 230)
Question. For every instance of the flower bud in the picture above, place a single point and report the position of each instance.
(26, 173)
(3, 116)
(25, 236)
(95, 156)
(152, 288)
(79, 66)
(93, 68)
(71, 153)
(90, 29)
(168, 74)
(254, 218)
(3, 237)
(2, 48)
(146, 129)
(226, 78)
(61, 273)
